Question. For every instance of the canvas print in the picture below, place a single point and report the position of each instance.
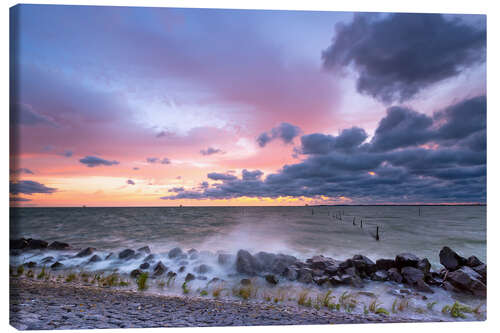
(176, 167)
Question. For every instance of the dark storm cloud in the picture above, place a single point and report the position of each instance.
(398, 55)
(401, 128)
(318, 143)
(176, 189)
(220, 176)
(93, 161)
(210, 151)
(130, 182)
(20, 171)
(284, 131)
(29, 187)
(392, 167)
(21, 114)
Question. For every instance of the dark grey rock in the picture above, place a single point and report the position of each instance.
(159, 269)
(380, 275)
(189, 277)
(473, 261)
(126, 254)
(271, 279)
(332, 269)
(291, 273)
(144, 249)
(406, 260)
(150, 258)
(175, 252)
(36, 244)
(58, 246)
(467, 279)
(424, 265)
(394, 275)
(423, 287)
(202, 269)
(364, 264)
(411, 275)
(182, 269)
(144, 265)
(224, 259)
(94, 258)
(56, 265)
(18, 244)
(29, 264)
(85, 252)
(450, 259)
(245, 282)
(481, 270)
(135, 273)
(385, 264)
(109, 256)
(321, 280)
(246, 263)
(305, 275)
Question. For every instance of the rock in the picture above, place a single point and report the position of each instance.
(321, 280)
(385, 264)
(224, 259)
(56, 265)
(473, 261)
(47, 260)
(364, 264)
(352, 280)
(450, 259)
(449, 287)
(159, 269)
(411, 275)
(175, 252)
(150, 258)
(193, 254)
(202, 269)
(467, 279)
(433, 281)
(214, 280)
(317, 272)
(270, 278)
(281, 262)
(109, 256)
(18, 244)
(95, 258)
(144, 265)
(189, 277)
(135, 273)
(171, 274)
(481, 270)
(424, 265)
(380, 275)
(319, 262)
(423, 287)
(30, 264)
(58, 246)
(246, 263)
(291, 273)
(335, 280)
(406, 260)
(191, 251)
(36, 244)
(332, 269)
(245, 282)
(85, 252)
(182, 269)
(345, 264)
(305, 275)
(126, 254)
(144, 249)
(394, 275)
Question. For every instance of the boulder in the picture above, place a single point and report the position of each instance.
(424, 265)
(144, 265)
(85, 252)
(150, 258)
(281, 262)
(159, 269)
(171, 274)
(467, 279)
(345, 264)
(36, 244)
(224, 259)
(271, 278)
(246, 263)
(481, 270)
(175, 252)
(332, 269)
(189, 277)
(58, 246)
(109, 256)
(385, 264)
(191, 251)
(450, 259)
(423, 287)
(394, 275)
(202, 269)
(352, 280)
(380, 275)
(245, 282)
(406, 260)
(30, 264)
(321, 280)
(126, 254)
(305, 275)
(291, 273)
(18, 244)
(144, 249)
(364, 264)
(265, 259)
(449, 287)
(411, 275)
(473, 261)
(335, 280)
(135, 273)
(94, 258)
(56, 265)
(182, 269)
(47, 260)
(319, 262)
(193, 254)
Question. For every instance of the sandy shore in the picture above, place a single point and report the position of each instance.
(51, 305)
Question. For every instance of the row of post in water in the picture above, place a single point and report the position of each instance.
(338, 215)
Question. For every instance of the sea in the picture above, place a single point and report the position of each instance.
(333, 231)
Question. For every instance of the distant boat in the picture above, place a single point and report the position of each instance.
(180, 206)
(84, 206)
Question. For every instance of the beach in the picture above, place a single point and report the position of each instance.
(40, 305)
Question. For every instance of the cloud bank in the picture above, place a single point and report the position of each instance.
(93, 161)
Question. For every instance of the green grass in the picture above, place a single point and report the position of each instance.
(203, 293)
(457, 310)
(30, 274)
(303, 299)
(430, 305)
(324, 299)
(171, 281)
(142, 281)
(216, 292)
(185, 288)
(70, 277)
(42, 273)
(20, 270)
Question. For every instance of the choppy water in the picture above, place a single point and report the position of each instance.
(299, 231)
(291, 230)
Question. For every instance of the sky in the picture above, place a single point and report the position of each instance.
(131, 106)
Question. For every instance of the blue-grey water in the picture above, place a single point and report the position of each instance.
(301, 231)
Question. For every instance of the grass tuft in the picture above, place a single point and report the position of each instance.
(142, 281)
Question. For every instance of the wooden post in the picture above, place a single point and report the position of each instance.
(377, 238)
(361, 224)
(353, 220)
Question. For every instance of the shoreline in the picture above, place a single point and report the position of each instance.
(51, 305)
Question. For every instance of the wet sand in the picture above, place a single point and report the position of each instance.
(51, 305)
